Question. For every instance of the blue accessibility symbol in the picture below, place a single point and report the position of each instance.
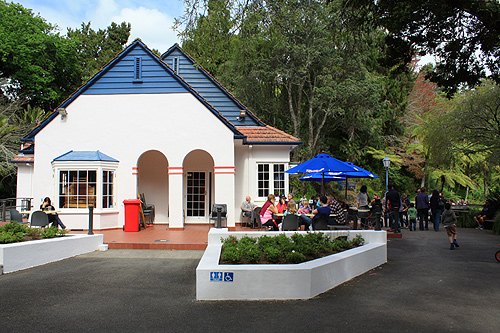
(228, 276)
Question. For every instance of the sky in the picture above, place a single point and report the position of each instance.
(151, 20)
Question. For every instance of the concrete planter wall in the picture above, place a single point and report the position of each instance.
(299, 281)
(18, 256)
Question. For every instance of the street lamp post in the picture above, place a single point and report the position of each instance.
(387, 164)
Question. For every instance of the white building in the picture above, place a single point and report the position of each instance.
(159, 126)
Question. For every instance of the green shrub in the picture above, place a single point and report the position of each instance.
(357, 241)
(252, 253)
(52, 232)
(272, 254)
(496, 225)
(231, 254)
(11, 237)
(295, 249)
(295, 257)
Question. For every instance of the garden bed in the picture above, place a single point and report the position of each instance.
(22, 255)
(285, 281)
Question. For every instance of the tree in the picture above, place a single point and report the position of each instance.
(36, 62)
(475, 120)
(210, 41)
(463, 34)
(12, 128)
(96, 48)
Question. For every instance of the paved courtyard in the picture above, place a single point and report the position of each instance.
(424, 287)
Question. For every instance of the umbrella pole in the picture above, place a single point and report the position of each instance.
(323, 183)
(346, 190)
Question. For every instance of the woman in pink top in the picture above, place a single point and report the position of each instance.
(266, 213)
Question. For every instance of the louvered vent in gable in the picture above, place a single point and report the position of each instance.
(138, 69)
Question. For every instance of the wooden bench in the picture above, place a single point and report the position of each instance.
(488, 224)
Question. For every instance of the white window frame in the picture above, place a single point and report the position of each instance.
(271, 188)
(99, 167)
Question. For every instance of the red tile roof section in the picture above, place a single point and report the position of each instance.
(267, 134)
(23, 159)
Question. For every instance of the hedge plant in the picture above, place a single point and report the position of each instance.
(281, 249)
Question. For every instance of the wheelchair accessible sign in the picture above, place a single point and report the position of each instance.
(221, 276)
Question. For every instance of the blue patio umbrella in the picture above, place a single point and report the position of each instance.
(322, 163)
(329, 176)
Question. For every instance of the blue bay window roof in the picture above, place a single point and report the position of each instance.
(84, 156)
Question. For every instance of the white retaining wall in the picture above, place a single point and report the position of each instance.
(18, 256)
(299, 281)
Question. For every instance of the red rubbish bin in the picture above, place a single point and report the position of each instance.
(131, 214)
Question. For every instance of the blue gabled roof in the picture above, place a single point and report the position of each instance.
(84, 156)
(179, 83)
(208, 87)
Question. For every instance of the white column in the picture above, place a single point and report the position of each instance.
(175, 195)
(224, 191)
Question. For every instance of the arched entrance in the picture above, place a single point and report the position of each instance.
(198, 186)
(152, 180)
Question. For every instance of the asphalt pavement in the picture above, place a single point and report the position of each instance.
(424, 287)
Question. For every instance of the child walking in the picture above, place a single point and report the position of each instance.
(412, 217)
(449, 219)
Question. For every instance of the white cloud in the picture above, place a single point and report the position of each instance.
(151, 20)
(153, 27)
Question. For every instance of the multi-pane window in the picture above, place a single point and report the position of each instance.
(266, 172)
(279, 178)
(107, 188)
(263, 180)
(77, 188)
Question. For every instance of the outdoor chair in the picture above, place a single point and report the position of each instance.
(39, 219)
(320, 224)
(290, 223)
(147, 210)
(256, 215)
(257, 221)
(245, 219)
(213, 215)
(16, 216)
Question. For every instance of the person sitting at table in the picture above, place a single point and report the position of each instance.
(336, 208)
(247, 207)
(321, 212)
(289, 198)
(281, 206)
(53, 217)
(267, 211)
(290, 210)
(305, 207)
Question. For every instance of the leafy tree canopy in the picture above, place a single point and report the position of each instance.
(463, 34)
(96, 48)
(35, 60)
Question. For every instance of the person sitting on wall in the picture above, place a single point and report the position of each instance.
(267, 211)
(486, 214)
(53, 217)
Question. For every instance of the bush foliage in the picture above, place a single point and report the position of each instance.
(282, 249)
(14, 232)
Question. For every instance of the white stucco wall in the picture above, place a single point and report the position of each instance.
(246, 160)
(124, 127)
(24, 180)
